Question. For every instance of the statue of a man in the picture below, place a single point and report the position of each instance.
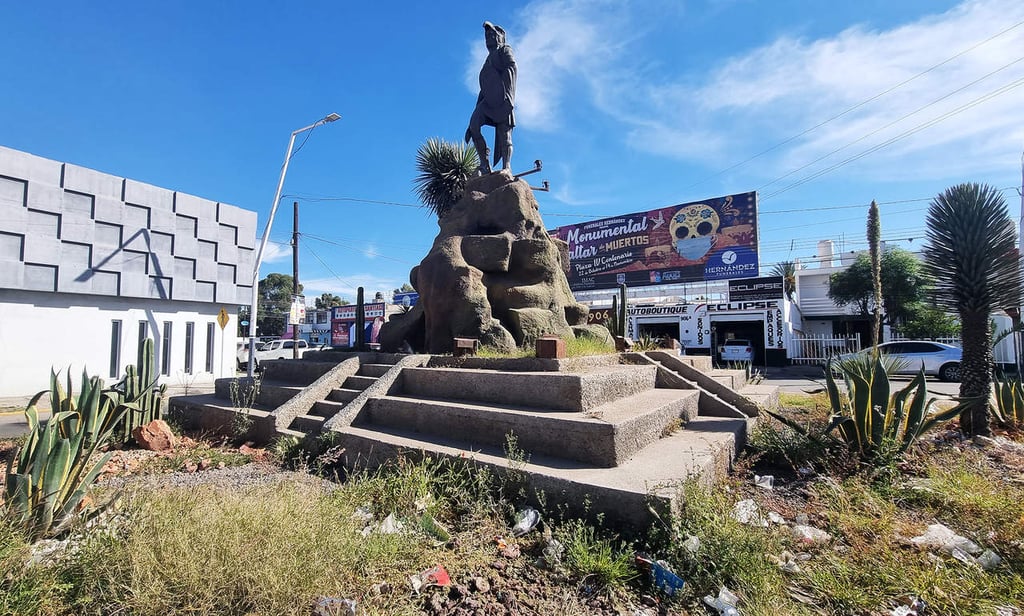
(496, 101)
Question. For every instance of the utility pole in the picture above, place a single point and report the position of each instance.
(295, 276)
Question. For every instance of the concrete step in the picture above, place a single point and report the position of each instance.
(562, 391)
(606, 436)
(275, 393)
(343, 395)
(308, 424)
(326, 409)
(302, 372)
(294, 433)
(374, 370)
(623, 493)
(765, 396)
(359, 383)
(730, 377)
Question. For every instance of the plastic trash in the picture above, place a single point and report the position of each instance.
(551, 555)
(747, 512)
(989, 560)
(916, 607)
(786, 561)
(692, 544)
(941, 537)
(725, 603)
(662, 575)
(435, 576)
(809, 535)
(434, 528)
(765, 482)
(526, 520)
(775, 518)
(334, 606)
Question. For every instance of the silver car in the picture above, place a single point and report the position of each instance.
(938, 359)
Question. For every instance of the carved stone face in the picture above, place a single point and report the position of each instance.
(694, 229)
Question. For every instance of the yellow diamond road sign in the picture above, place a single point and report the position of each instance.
(222, 318)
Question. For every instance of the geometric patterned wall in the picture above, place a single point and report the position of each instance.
(68, 229)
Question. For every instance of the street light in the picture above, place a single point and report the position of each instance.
(266, 235)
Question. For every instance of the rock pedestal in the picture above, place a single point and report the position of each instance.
(493, 274)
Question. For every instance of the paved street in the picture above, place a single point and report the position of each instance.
(811, 378)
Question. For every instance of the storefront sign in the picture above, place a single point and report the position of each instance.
(747, 289)
(744, 306)
(714, 239)
(348, 313)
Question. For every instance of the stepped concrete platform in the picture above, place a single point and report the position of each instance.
(621, 431)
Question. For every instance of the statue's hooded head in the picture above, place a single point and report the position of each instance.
(493, 35)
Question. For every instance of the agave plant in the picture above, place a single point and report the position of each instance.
(870, 419)
(444, 168)
(1010, 401)
(47, 478)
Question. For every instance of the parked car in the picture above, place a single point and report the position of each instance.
(938, 359)
(279, 349)
(242, 350)
(737, 350)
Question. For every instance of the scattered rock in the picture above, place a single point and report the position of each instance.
(480, 585)
(154, 436)
(205, 464)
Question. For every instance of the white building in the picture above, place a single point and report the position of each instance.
(91, 264)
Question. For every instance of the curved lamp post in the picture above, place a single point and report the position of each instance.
(266, 235)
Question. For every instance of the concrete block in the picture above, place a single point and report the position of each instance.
(465, 346)
(207, 229)
(163, 221)
(243, 292)
(78, 203)
(74, 279)
(45, 197)
(227, 234)
(13, 218)
(13, 192)
(184, 289)
(92, 182)
(227, 253)
(245, 259)
(161, 265)
(107, 235)
(185, 226)
(206, 251)
(12, 248)
(25, 166)
(159, 287)
(550, 347)
(226, 294)
(42, 249)
(184, 268)
(186, 246)
(43, 224)
(77, 227)
(107, 258)
(247, 231)
(162, 243)
(229, 214)
(75, 256)
(106, 283)
(12, 276)
(225, 275)
(134, 284)
(193, 206)
(109, 210)
(206, 270)
(40, 277)
(133, 262)
(136, 217)
(153, 197)
(205, 291)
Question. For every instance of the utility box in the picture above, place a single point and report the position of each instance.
(550, 347)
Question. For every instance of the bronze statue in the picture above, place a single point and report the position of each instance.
(494, 106)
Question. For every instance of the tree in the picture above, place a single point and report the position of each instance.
(971, 260)
(406, 288)
(275, 300)
(874, 249)
(329, 300)
(904, 286)
(786, 269)
(930, 322)
(444, 168)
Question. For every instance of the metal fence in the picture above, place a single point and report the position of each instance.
(954, 340)
(818, 349)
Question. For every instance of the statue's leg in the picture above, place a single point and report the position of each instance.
(475, 122)
(503, 146)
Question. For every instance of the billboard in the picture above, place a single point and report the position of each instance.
(769, 287)
(713, 239)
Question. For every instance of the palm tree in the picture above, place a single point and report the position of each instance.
(787, 270)
(445, 167)
(971, 260)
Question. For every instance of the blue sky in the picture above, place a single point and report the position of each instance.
(631, 106)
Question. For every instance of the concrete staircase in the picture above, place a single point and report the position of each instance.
(621, 432)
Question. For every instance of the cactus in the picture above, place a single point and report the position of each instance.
(622, 309)
(142, 398)
(44, 491)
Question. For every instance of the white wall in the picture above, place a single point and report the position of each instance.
(40, 331)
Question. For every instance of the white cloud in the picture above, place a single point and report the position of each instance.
(276, 251)
(576, 57)
(347, 287)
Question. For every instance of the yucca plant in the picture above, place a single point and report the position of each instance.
(1010, 401)
(444, 168)
(47, 478)
(870, 419)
